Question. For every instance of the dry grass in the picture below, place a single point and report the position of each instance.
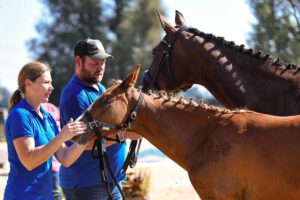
(137, 185)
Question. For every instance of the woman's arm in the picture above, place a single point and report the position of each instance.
(31, 156)
(67, 155)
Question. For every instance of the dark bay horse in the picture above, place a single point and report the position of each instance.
(237, 77)
(229, 155)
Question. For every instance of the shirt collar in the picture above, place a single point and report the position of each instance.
(24, 103)
(83, 84)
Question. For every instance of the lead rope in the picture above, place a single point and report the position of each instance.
(100, 145)
(112, 175)
(132, 156)
(101, 148)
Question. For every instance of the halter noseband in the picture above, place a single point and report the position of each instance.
(165, 59)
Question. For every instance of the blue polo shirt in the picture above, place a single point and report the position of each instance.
(76, 97)
(23, 121)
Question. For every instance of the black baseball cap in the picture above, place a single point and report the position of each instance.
(92, 48)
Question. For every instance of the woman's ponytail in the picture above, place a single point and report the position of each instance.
(14, 100)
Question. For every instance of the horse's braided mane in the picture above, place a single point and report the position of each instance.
(241, 48)
(179, 100)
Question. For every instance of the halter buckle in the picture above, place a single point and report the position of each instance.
(93, 125)
(121, 136)
(96, 124)
(103, 144)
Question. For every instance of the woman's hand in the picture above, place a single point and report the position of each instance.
(72, 129)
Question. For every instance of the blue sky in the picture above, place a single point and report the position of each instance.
(227, 18)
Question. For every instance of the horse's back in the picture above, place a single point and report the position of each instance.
(261, 160)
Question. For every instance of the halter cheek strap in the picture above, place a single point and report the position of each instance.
(165, 59)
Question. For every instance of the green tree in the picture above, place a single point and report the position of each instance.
(136, 29)
(64, 23)
(277, 28)
(118, 24)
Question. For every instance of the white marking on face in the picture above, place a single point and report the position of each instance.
(81, 116)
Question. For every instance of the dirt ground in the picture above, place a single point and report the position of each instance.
(168, 180)
(171, 182)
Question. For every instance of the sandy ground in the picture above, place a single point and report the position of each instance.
(168, 180)
(3, 169)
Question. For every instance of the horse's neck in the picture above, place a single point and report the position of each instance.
(172, 128)
(238, 79)
(228, 80)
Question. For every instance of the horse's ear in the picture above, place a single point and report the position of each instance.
(179, 19)
(130, 80)
(167, 26)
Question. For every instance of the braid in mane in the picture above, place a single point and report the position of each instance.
(241, 48)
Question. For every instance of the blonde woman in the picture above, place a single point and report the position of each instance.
(33, 137)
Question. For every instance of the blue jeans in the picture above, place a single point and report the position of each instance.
(56, 191)
(97, 192)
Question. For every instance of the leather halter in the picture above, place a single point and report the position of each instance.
(165, 59)
(95, 125)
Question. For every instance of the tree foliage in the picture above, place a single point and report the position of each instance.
(128, 28)
(136, 34)
(277, 28)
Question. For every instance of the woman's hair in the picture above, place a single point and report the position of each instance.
(31, 71)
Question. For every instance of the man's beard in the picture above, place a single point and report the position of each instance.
(88, 78)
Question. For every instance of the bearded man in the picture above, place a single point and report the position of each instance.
(82, 179)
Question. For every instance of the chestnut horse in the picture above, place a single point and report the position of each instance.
(228, 155)
(237, 77)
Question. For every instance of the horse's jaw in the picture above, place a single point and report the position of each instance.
(83, 138)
